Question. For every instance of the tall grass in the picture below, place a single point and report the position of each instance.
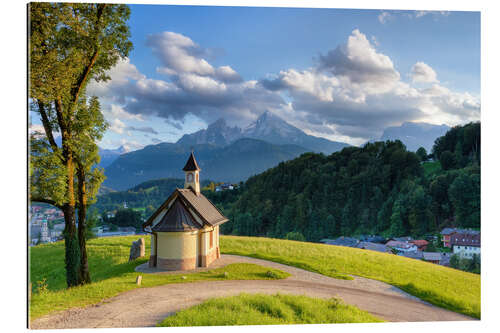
(259, 309)
(445, 287)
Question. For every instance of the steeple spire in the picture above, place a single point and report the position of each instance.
(191, 164)
(192, 171)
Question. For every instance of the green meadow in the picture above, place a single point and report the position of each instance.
(260, 309)
(112, 274)
(445, 287)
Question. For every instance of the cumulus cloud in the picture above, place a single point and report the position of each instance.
(191, 86)
(361, 64)
(179, 54)
(355, 92)
(350, 94)
(421, 72)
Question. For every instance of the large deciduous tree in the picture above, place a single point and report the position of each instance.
(69, 45)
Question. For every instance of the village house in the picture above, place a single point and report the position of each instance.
(185, 229)
(447, 232)
(402, 246)
(434, 257)
(420, 243)
(374, 247)
(465, 244)
(341, 241)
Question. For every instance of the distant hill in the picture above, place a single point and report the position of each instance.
(108, 156)
(415, 135)
(152, 192)
(268, 127)
(232, 163)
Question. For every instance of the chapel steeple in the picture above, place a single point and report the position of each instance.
(192, 171)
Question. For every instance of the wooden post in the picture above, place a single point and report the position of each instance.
(138, 280)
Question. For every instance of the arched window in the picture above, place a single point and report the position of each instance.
(190, 177)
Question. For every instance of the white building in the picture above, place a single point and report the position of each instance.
(466, 251)
(465, 244)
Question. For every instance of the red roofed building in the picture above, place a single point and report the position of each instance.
(420, 243)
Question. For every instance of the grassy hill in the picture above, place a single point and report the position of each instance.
(445, 287)
(112, 273)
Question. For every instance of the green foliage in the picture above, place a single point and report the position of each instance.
(448, 160)
(460, 146)
(70, 44)
(294, 235)
(113, 274)
(469, 265)
(465, 195)
(422, 154)
(149, 195)
(127, 217)
(442, 286)
(324, 196)
(260, 309)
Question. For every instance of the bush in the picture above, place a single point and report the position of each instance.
(295, 235)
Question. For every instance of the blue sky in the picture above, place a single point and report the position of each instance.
(341, 74)
(256, 41)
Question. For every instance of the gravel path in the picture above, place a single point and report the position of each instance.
(145, 307)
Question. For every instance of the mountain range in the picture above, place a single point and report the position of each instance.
(232, 163)
(233, 154)
(268, 127)
(415, 135)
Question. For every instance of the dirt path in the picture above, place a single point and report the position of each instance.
(145, 307)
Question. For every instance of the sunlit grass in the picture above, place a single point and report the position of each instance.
(112, 274)
(260, 309)
(445, 287)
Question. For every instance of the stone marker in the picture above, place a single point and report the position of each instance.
(138, 280)
(137, 250)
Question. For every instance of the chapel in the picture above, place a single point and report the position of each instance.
(185, 229)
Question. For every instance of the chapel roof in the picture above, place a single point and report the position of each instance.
(177, 218)
(198, 203)
(191, 164)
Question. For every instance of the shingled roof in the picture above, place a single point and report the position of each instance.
(178, 218)
(191, 164)
(199, 204)
(203, 207)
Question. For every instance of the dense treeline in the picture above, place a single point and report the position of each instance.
(379, 188)
(149, 195)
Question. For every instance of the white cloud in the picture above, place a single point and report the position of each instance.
(179, 54)
(39, 130)
(351, 94)
(359, 61)
(422, 13)
(116, 125)
(421, 72)
(384, 17)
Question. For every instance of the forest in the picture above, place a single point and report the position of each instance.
(380, 188)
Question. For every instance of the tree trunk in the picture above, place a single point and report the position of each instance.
(82, 212)
(72, 251)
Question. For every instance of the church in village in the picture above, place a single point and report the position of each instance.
(185, 229)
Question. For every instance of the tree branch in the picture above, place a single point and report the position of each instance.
(44, 200)
(47, 126)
